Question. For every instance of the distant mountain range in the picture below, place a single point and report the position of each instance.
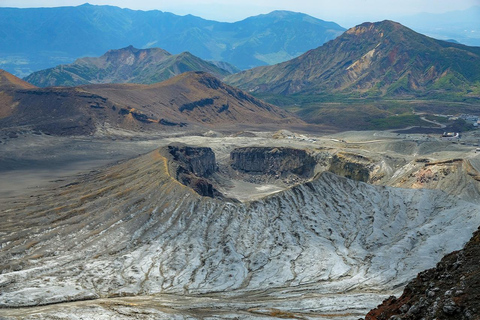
(127, 65)
(462, 25)
(383, 59)
(37, 38)
(192, 100)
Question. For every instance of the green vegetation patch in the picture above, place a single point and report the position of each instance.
(397, 122)
(372, 113)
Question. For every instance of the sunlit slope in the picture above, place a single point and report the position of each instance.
(383, 59)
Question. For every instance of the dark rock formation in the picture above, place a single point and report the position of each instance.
(198, 160)
(192, 166)
(351, 166)
(451, 290)
(196, 104)
(273, 161)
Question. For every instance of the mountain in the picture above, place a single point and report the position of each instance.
(190, 100)
(451, 290)
(383, 59)
(38, 38)
(9, 82)
(127, 65)
(8, 85)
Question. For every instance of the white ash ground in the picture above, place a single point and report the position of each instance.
(334, 246)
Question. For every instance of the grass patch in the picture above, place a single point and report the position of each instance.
(354, 112)
(397, 122)
(438, 119)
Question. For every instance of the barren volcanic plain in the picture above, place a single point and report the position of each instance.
(226, 225)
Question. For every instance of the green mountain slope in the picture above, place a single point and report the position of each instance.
(38, 38)
(127, 65)
(383, 59)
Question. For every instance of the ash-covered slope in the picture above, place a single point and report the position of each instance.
(373, 59)
(190, 100)
(133, 229)
(451, 290)
(127, 65)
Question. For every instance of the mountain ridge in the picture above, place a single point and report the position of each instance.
(126, 65)
(247, 43)
(371, 59)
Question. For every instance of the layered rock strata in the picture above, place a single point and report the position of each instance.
(273, 161)
(192, 166)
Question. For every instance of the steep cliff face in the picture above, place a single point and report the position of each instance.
(451, 290)
(192, 166)
(273, 161)
(351, 166)
(198, 160)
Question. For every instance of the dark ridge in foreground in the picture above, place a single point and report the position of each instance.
(451, 290)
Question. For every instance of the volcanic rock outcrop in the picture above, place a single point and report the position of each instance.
(273, 161)
(351, 166)
(451, 290)
(192, 166)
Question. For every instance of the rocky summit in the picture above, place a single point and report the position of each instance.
(372, 59)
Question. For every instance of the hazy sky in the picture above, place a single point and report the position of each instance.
(345, 12)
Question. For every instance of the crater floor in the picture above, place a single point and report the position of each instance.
(127, 240)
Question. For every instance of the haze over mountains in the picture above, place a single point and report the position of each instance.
(127, 65)
(35, 39)
(462, 26)
(373, 59)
